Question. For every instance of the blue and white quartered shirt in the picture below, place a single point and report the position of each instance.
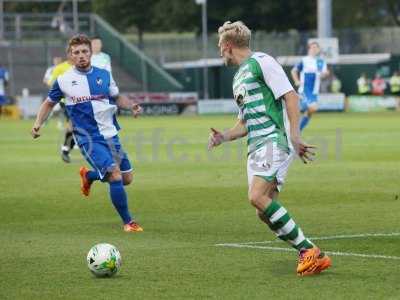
(90, 103)
(310, 69)
(3, 79)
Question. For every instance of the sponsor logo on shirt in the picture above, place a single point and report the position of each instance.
(239, 95)
(82, 99)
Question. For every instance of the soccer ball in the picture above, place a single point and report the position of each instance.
(104, 260)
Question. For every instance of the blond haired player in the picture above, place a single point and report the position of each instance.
(269, 117)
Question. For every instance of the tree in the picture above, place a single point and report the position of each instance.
(177, 15)
(185, 15)
(266, 15)
(125, 14)
(366, 13)
(394, 10)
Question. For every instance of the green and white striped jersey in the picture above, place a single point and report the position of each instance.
(258, 86)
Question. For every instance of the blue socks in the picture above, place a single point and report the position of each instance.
(304, 121)
(120, 201)
(92, 176)
(117, 195)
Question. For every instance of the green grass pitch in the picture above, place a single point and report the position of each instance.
(188, 201)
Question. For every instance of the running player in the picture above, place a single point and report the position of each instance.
(268, 116)
(92, 97)
(307, 76)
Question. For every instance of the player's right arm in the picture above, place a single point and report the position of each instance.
(217, 138)
(42, 115)
(54, 96)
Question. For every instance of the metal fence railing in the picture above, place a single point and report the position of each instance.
(134, 61)
(27, 62)
(31, 40)
(43, 25)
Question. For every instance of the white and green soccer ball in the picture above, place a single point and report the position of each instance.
(104, 260)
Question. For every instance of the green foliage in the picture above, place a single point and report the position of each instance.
(177, 15)
(366, 13)
(27, 7)
(43, 7)
(268, 15)
(264, 15)
(185, 15)
(124, 14)
(127, 14)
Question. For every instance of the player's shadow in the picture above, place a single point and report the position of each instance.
(122, 277)
(281, 267)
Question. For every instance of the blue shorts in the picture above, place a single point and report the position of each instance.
(307, 100)
(3, 99)
(104, 155)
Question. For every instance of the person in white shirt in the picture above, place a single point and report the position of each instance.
(100, 59)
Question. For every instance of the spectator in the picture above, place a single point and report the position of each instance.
(4, 77)
(363, 85)
(56, 60)
(395, 84)
(378, 85)
(336, 84)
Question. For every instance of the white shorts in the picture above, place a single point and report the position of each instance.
(269, 162)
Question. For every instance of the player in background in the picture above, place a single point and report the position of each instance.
(307, 76)
(4, 78)
(395, 87)
(47, 75)
(91, 98)
(269, 117)
(100, 59)
(378, 85)
(69, 141)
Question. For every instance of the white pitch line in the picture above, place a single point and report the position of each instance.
(331, 237)
(294, 250)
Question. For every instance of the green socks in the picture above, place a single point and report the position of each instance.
(285, 228)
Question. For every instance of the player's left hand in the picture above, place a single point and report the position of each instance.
(304, 151)
(136, 110)
(216, 138)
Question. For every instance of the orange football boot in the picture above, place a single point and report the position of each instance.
(307, 258)
(132, 227)
(85, 184)
(323, 262)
